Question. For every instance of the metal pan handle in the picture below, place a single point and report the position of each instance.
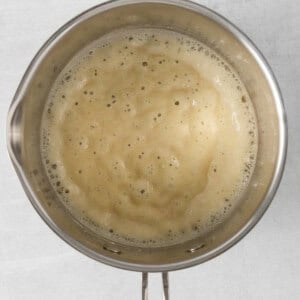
(165, 281)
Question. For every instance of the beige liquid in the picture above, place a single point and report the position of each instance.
(149, 137)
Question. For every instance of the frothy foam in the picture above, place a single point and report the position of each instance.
(149, 137)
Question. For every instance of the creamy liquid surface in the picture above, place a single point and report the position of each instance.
(149, 137)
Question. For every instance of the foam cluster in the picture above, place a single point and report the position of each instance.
(149, 137)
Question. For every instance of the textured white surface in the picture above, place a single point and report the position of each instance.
(36, 264)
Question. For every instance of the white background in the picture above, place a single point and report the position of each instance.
(36, 264)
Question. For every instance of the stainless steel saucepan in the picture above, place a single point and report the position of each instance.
(24, 118)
